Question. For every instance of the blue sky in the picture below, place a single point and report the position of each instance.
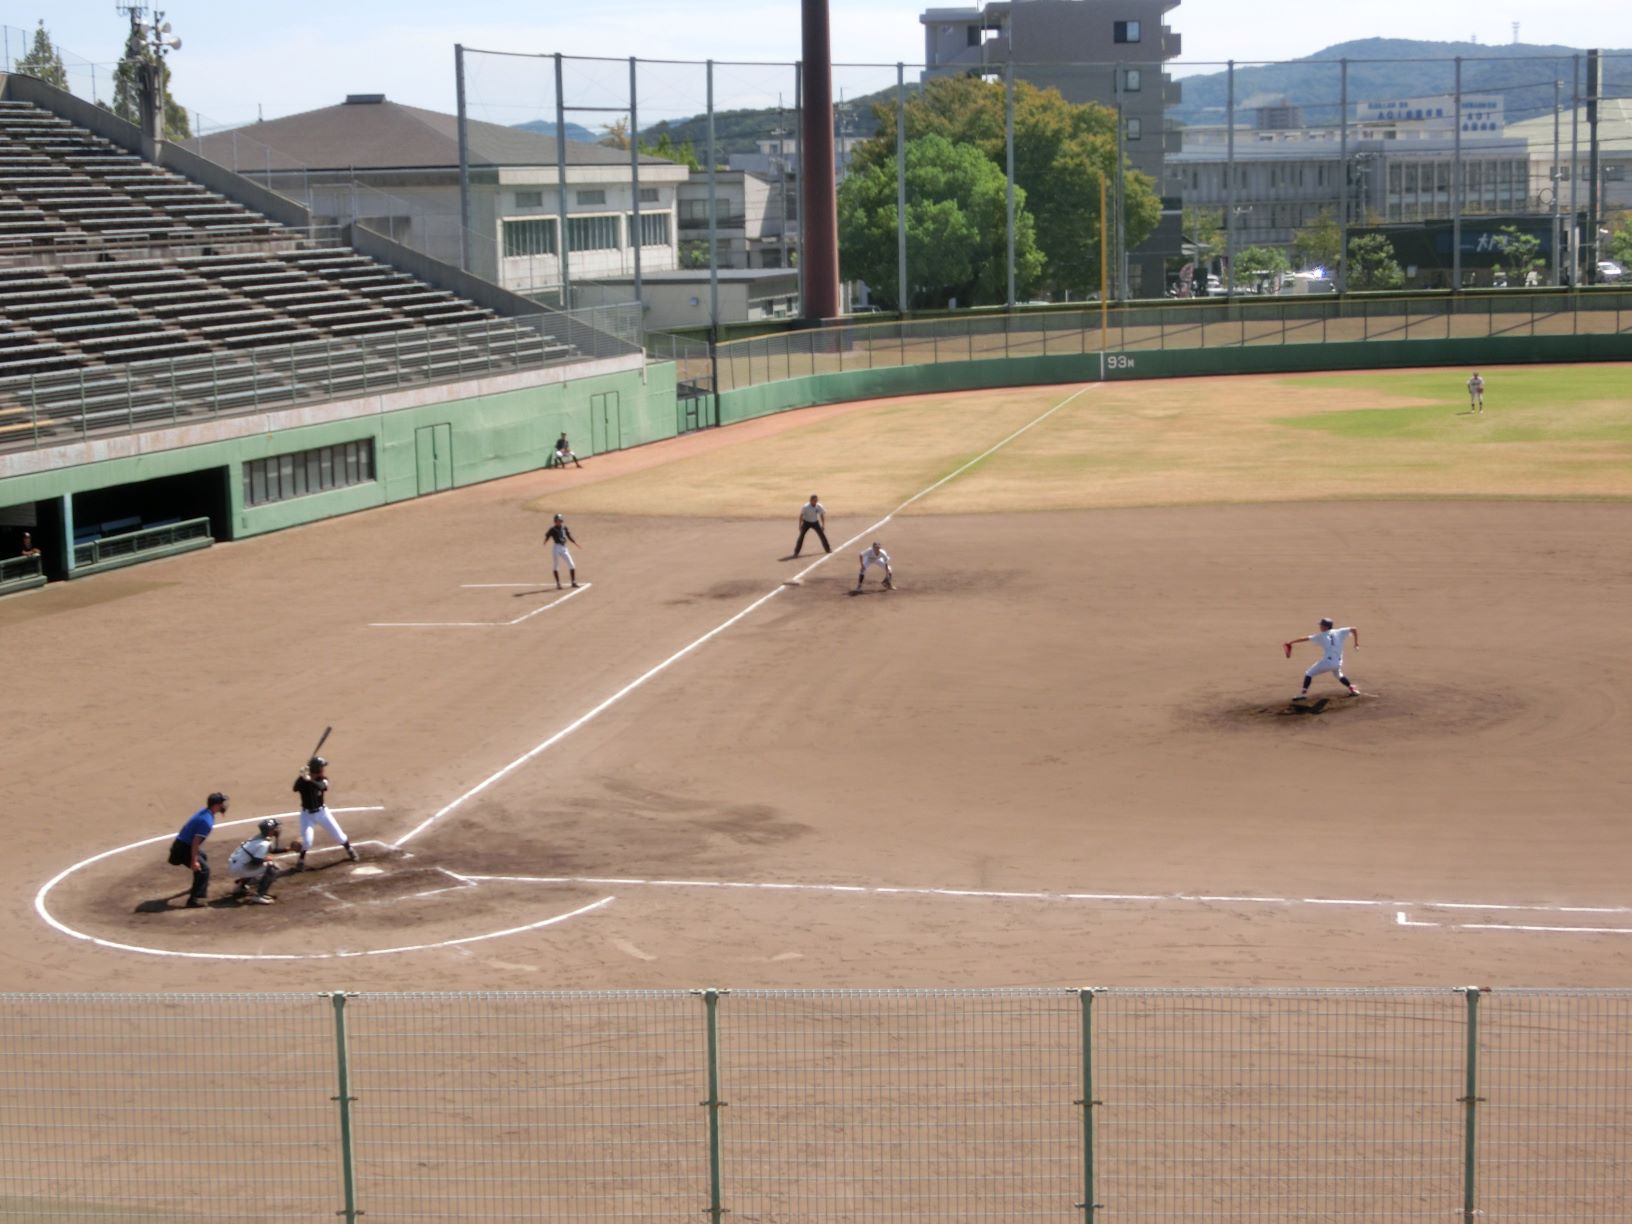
(235, 62)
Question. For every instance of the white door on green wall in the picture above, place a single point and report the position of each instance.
(605, 422)
(433, 447)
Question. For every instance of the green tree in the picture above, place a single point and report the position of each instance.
(1062, 151)
(1372, 264)
(1618, 246)
(44, 60)
(1260, 268)
(664, 147)
(1317, 244)
(956, 228)
(1522, 252)
(127, 96)
(1205, 228)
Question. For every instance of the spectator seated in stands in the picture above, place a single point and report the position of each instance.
(28, 549)
(563, 452)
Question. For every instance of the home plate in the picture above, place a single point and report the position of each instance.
(367, 869)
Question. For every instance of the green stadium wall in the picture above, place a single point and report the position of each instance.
(491, 436)
(744, 403)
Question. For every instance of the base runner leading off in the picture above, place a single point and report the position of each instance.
(558, 537)
(1331, 642)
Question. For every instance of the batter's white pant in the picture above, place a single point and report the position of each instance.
(321, 817)
(562, 557)
(1325, 665)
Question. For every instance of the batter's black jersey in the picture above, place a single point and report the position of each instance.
(559, 534)
(313, 792)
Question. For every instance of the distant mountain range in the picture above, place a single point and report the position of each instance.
(1379, 69)
(1522, 73)
(546, 127)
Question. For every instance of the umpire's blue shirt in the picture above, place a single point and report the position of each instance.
(200, 824)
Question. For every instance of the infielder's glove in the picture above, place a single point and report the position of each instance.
(1288, 647)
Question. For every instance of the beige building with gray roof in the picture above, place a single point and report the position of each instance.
(397, 167)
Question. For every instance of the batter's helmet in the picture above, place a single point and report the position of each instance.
(269, 826)
(316, 763)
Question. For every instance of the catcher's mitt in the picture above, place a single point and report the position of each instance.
(295, 847)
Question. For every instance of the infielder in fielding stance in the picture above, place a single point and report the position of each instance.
(1331, 642)
(559, 537)
(313, 787)
(1476, 393)
(876, 556)
(249, 863)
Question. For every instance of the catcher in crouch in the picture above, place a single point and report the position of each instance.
(251, 864)
(313, 786)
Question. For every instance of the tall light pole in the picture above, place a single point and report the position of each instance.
(818, 187)
(152, 40)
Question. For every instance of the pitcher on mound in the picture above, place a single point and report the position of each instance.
(1331, 642)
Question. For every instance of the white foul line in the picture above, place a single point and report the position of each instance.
(559, 599)
(674, 658)
(1401, 908)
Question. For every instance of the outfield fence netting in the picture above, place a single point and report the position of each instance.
(1183, 1104)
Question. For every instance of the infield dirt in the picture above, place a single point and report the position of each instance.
(1056, 702)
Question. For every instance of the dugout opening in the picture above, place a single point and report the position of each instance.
(130, 523)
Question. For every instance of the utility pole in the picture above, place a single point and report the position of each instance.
(1593, 85)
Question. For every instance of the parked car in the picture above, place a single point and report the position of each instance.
(1610, 272)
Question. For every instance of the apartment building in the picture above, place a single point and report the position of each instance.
(1107, 51)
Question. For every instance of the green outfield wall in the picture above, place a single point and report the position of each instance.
(744, 403)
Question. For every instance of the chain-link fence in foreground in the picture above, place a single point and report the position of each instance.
(1034, 1104)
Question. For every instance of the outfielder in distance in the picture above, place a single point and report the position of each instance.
(1476, 393)
(313, 786)
(558, 536)
(1331, 642)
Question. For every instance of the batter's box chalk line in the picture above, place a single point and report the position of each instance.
(42, 908)
(570, 593)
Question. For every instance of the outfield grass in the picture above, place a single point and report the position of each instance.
(1547, 432)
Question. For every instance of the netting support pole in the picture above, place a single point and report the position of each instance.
(1469, 1101)
(638, 239)
(342, 1058)
(1089, 1205)
(1456, 187)
(464, 162)
(711, 1012)
(901, 300)
(563, 244)
(1008, 162)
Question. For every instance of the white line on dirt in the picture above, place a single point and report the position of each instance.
(558, 600)
(657, 670)
(1401, 916)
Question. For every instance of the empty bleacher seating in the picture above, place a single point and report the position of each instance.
(132, 296)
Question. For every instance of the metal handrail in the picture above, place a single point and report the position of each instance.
(146, 539)
(19, 569)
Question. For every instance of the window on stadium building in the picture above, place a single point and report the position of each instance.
(592, 234)
(529, 237)
(654, 228)
(595, 195)
(529, 199)
(1126, 31)
(305, 472)
(648, 195)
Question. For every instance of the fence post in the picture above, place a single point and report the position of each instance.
(84, 411)
(34, 405)
(1469, 1100)
(1088, 1205)
(711, 1012)
(344, 1100)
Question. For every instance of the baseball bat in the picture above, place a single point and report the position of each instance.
(321, 740)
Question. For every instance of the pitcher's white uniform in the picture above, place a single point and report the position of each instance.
(1331, 643)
